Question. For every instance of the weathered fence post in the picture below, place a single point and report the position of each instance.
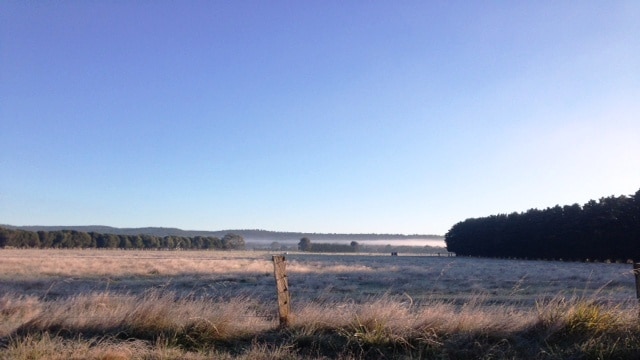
(636, 272)
(284, 298)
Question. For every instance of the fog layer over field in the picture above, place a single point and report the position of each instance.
(377, 242)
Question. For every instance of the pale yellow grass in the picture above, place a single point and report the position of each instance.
(34, 263)
(302, 268)
(150, 314)
(104, 263)
(159, 322)
(402, 318)
(157, 316)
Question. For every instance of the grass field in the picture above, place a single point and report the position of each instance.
(66, 304)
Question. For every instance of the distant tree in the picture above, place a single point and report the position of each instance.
(150, 241)
(125, 243)
(304, 244)
(182, 242)
(197, 242)
(332, 248)
(233, 242)
(168, 242)
(216, 243)
(60, 238)
(211, 242)
(5, 237)
(136, 241)
(29, 239)
(80, 239)
(355, 246)
(97, 239)
(45, 240)
(111, 241)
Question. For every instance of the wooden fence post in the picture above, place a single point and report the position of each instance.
(284, 298)
(636, 272)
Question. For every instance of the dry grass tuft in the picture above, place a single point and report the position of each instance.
(15, 310)
(45, 346)
(155, 314)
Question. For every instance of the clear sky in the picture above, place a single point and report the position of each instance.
(314, 116)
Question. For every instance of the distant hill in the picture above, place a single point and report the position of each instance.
(248, 235)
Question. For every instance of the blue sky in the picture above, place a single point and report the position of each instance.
(315, 116)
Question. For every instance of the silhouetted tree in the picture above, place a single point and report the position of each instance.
(355, 246)
(5, 237)
(304, 244)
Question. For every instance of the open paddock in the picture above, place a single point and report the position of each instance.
(49, 274)
(109, 304)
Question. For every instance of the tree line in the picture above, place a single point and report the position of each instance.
(306, 245)
(607, 229)
(78, 239)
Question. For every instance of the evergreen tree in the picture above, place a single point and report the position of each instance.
(598, 230)
(304, 244)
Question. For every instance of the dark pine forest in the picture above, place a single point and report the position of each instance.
(607, 229)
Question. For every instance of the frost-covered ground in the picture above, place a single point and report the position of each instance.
(458, 279)
(312, 277)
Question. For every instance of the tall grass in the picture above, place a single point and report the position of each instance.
(158, 325)
(55, 305)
